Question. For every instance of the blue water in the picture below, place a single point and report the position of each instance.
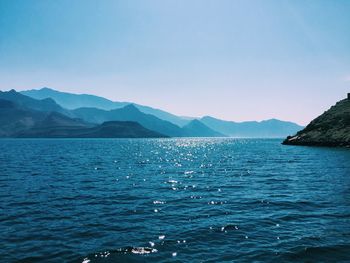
(173, 200)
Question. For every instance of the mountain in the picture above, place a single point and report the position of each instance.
(19, 121)
(113, 129)
(265, 129)
(45, 105)
(332, 128)
(55, 119)
(97, 110)
(197, 129)
(14, 119)
(74, 101)
(129, 113)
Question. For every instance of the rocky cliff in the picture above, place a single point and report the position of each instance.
(332, 128)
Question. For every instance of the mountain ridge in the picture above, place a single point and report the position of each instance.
(22, 121)
(208, 126)
(46, 105)
(112, 129)
(129, 113)
(196, 128)
(73, 101)
(272, 128)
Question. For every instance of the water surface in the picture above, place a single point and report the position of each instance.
(173, 200)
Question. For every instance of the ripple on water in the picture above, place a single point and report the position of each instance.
(185, 200)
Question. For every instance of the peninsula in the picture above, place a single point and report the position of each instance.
(332, 128)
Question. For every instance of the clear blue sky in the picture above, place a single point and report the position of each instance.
(236, 60)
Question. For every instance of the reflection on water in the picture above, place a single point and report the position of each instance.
(179, 200)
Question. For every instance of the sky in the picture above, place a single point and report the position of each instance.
(232, 59)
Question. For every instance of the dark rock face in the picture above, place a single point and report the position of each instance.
(332, 128)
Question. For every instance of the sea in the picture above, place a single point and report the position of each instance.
(173, 200)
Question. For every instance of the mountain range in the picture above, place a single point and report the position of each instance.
(18, 120)
(50, 113)
(265, 129)
(74, 101)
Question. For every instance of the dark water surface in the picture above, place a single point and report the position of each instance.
(173, 200)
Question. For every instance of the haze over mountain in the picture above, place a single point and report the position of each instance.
(16, 119)
(38, 115)
(197, 129)
(46, 104)
(269, 128)
(112, 129)
(204, 127)
(73, 101)
(23, 119)
(129, 113)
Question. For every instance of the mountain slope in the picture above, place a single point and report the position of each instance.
(18, 121)
(45, 105)
(332, 128)
(265, 129)
(114, 129)
(129, 113)
(14, 119)
(197, 129)
(98, 110)
(74, 101)
(55, 119)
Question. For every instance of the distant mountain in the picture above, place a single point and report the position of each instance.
(265, 129)
(113, 129)
(22, 101)
(19, 121)
(98, 110)
(74, 101)
(332, 128)
(197, 129)
(129, 113)
(14, 119)
(55, 119)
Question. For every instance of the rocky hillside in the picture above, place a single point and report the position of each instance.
(332, 128)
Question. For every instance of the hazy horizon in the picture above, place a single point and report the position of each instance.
(234, 60)
(134, 102)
